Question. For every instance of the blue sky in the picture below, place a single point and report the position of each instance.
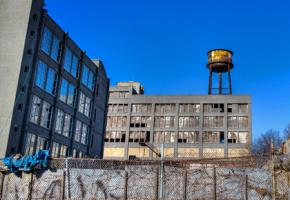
(163, 44)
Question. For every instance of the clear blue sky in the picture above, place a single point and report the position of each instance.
(163, 44)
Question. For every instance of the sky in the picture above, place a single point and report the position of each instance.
(163, 45)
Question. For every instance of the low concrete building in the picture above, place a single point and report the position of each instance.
(189, 126)
(52, 95)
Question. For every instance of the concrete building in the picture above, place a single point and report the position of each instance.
(52, 95)
(188, 126)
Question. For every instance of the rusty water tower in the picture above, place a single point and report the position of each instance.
(219, 63)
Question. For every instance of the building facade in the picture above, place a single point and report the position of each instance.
(188, 126)
(52, 95)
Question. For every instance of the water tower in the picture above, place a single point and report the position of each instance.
(220, 62)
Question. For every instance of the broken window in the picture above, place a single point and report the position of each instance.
(115, 136)
(213, 122)
(139, 136)
(189, 122)
(164, 137)
(238, 108)
(237, 137)
(213, 137)
(238, 122)
(116, 122)
(189, 108)
(141, 108)
(140, 122)
(164, 108)
(165, 122)
(188, 137)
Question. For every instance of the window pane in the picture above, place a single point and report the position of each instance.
(85, 75)
(46, 40)
(82, 102)
(63, 90)
(84, 134)
(55, 48)
(46, 115)
(51, 81)
(67, 125)
(78, 131)
(40, 74)
(71, 95)
(74, 66)
(67, 59)
(41, 143)
(55, 148)
(35, 109)
(59, 122)
(30, 143)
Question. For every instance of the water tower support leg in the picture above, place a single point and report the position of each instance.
(220, 83)
(229, 78)
(210, 81)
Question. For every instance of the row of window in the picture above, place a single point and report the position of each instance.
(51, 45)
(169, 137)
(41, 113)
(183, 108)
(34, 143)
(184, 122)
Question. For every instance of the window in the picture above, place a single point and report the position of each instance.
(189, 108)
(213, 108)
(139, 136)
(34, 143)
(237, 137)
(238, 122)
(164, 122)
(88, 77)
(64, 124)
(41, 112)
(85, 105)
(238, 108)
(188, 137)
(71, 63)
(188, 122)
(213, 122)
(121, 95)
(164, 137)
(46, 78)
(82, 132)
(115, 136)
(118, 108)
(164, 108)
(55, 149)
(140, 122)
(116, 122)
(50, 44)
(67, 93)
(213, 137)
(46, 113)
(141, 108)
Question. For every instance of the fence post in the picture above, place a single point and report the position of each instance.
(246, 187)
(157, 184)
(184, 184)
(273, 185)
(214, 183)
(126, 185)
(63, 185)
(1, 184)
(30, 186)
(67, 179)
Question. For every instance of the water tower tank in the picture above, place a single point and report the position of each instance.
(220, 60)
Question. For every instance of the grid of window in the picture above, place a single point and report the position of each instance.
(141, 108)
(188, 137)
(71, 63)
(88, 77)
(64, 123)
(213, 137)
(238, 122)
(40, 112)
(50, 44)
(238, 108)
(189, 108)
(67, 93)
(116, 122)
(188, 122)
(139, 136)
(46, 78)
(164, 108)
(77, 154)
(164, 137)
(213, 108)
(118, 108)
(115, 136)
(63, 151)
(238, 137)
(82, 132)
(164, 122)
(85, 105)
(34, 143)
(140, 122)
(213, 122)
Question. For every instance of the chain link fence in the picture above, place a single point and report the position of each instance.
(234, 178)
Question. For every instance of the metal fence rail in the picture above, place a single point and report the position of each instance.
(181, 180)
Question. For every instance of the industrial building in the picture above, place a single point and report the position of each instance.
(189, 126)
(52, 95)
